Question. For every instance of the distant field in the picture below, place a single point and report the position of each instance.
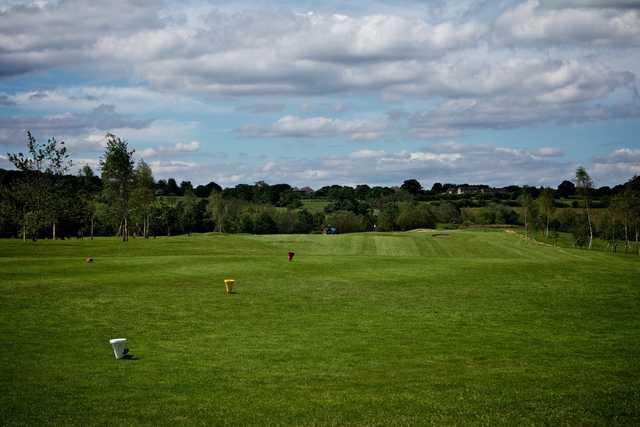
(443, 327)
(314, 205)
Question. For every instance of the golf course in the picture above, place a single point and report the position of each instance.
(460, 327)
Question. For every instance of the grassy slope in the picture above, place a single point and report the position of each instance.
(364, 329)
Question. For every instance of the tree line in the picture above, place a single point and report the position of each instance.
(41, 199)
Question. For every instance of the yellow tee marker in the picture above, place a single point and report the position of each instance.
(228, 286)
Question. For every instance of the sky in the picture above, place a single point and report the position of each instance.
(315, 93)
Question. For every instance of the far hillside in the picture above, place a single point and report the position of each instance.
(42, 200)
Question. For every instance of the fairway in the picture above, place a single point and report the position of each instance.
(455, 327)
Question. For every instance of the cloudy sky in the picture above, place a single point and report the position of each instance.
(321, 92)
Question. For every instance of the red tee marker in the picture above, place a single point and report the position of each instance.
(291, 255)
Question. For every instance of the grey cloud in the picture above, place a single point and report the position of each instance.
(251, 53)
(598, 4)
(618, 166)
(6, 101)
(507, 113)
(103, 118)
(528, 23)
(64, 32)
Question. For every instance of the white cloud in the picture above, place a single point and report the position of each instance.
(446, 162)
(180, 147)
(548, 152)
(367, 154)
(316, 127)
(172, 168)
(530, 24)
(619, 165)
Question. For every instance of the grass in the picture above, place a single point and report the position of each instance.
(446, 327)
(315, 205)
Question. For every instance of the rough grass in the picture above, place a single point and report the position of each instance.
(477, 328)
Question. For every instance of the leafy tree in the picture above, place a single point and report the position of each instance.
(362, 191)
(349, 204)
(387, 217)
(247, 223)
(584, 185)
(143, 194)
(206, 190)
(185, 186)
(437, 188)
(447, 212)
(188, 211)
(346, 222)
(415, 215)
(265, 224)
(118, 178)
(172, 188)
(37, 198)
(547, 207)
(225, 213)
(304, 222)
(566, 189)
(88, 197)
(632, 203)
(412, 187)
(161, 188)
(165, 213)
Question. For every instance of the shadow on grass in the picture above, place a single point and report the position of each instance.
(130, 357)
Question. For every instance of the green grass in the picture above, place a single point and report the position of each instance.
(455, 327)
(315, 205)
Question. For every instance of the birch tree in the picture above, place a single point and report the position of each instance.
(547, 207)
(118, 180)
(584, 185)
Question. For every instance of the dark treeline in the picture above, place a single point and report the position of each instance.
(42, 199)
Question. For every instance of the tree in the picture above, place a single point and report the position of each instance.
(528, 211)
(225, 213)
(264, 224)
(566, 189)
(415, 215)
(547, 207)
(412, 187)
(118, 179)
(632, 196)
(387, 217)
(303, 222)
(437, 188)
(205, 190)
(172, 188)
(38, 196)
(88, 197)
(185, 186)
(447, 212)
(615, 213)
(188, 211)
(166, 214)
(584, 184)
(143, 194)
(346, 222)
